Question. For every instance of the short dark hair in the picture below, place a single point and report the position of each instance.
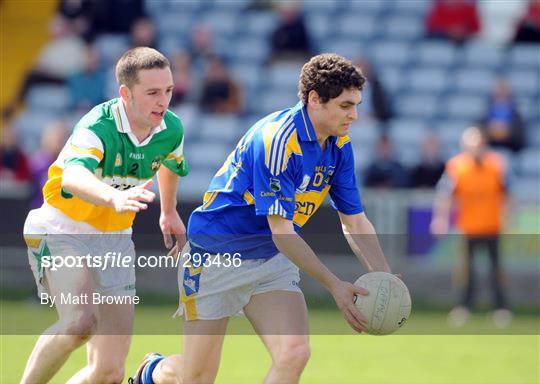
(329, 74)
(135, 59)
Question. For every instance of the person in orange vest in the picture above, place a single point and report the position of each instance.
(474, 183)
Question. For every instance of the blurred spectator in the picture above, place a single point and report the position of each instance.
(376, 103)
(290, 39)
(475, 182)
(385, 170)
(528, 29)
(220, 93)
(456, 20)
(52, 141)
(63, 55)
(60, 58)
(81, 14)
(503, 123)
(117, 16)
(201, 44)
(87, 87)
(13, 162)
(143, 33)
(428, 171)
(181, 71)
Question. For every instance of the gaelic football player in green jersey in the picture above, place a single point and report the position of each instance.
(100, 180)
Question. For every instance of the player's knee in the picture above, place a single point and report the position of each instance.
(109, 375)
(81, 326)
(293, 356)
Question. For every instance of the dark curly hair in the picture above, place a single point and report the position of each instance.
(329, 74)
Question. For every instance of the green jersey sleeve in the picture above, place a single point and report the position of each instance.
(83, 148)
(176, 162)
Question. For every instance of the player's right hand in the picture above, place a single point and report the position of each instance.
(134, 199)
(344, 295)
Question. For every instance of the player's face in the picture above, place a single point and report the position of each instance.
(339, 113)
(149, 98)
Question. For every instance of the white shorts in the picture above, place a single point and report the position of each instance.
(48, 232)
(214, 292)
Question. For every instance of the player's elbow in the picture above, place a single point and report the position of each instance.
(280, 226)
(74, 178)
(282, 237)
(356, 224)
(69, 177)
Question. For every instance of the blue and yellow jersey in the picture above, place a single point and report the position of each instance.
(277, 168)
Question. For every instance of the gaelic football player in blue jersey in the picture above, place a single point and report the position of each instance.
(267, 189)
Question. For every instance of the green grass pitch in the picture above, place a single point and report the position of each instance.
(343, 358)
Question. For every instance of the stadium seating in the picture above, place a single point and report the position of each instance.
(250, 50)
(525, 55)
(464, 106)
(28, 127)
(404, 27)
(391, 52)
(221, 22)
(530, 163)
(208, 155)
(220, 128)
(348, 47)
(427, 79)
(408, 132)
(474, 80)
(432, 84)
(110, 47)
(259, 24)
(418, 105)
(525, 82)
(175, 24)
(355, 26)
(319, 26)
(482, 55)
(50, 98)
(441, 53)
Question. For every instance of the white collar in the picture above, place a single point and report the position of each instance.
(123, 126)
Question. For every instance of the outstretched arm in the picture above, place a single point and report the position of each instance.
(79, 181)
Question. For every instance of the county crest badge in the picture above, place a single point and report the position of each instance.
(154, 166)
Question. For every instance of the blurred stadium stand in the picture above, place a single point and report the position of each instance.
(433, 85)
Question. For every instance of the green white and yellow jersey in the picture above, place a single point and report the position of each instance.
(102, 142)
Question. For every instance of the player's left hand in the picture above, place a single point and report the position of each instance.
(171, 224)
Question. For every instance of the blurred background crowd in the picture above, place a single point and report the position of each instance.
(434, 68)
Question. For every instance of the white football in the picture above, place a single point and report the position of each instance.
(388, 304)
